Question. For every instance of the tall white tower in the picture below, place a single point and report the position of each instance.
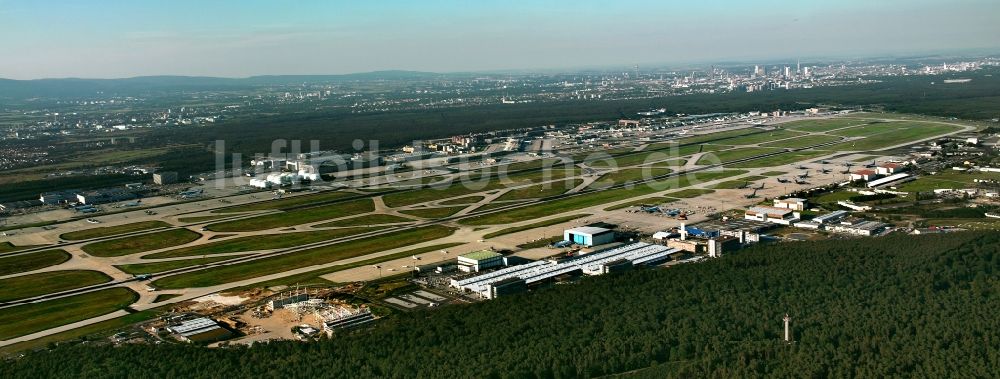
(788, 328)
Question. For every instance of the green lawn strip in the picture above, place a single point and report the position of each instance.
(138, 244)
(287, 202)
(870, 129)
(366, 220)
(947, 180)
(197, 219)
(474, 184)
(7, 247)
(463, 200)
(596, 198)
(165, 297)
(30, 318)
(765, 136)
(313, 277)
(893, 137)
(253, 243)
(155, 267)
(714, 137)
(32, 261)
(31, 285)
(733, 154)
(89, 332)
(432, 213)
(295, 216)
(496, 205)
(112, 230)
(306, 258)
(738, 183)
(823, 125)
(540, 190)
(774, 173)
(628, 175)
(689, 193)
(653, 153)
(541, 224)
(780, 159)
(602, 153)
(645, 201)
(799, 142)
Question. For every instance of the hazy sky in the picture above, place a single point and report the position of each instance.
(40, 38)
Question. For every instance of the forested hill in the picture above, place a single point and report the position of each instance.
(895, 306)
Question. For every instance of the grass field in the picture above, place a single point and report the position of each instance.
(31, 285)
(733, 154)
(30, 318)
(715, 137)
(654, 153)
(869, 129)
(366, 220)
(32, 261)
(100, 329)
(799, 142)
(540, 224)
(739, 183)
(628, 175)
(315, 256)
(197, 219)
(7, 247)
(295, 217)
(878, 136)
(112, 230)
(138, 244)
(823, 125)
(155, 267)
(432, 213)
(287, 202)
(540, 190)
(781, 159)
(463, 200)
(689, 193)
(475, 184)
(774, 173)
(596, 198)
(765, 136)
(313, 277)
(253, 243)
(646, 201)
(165, 297)
(947, 180)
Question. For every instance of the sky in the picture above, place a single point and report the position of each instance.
(229, 38)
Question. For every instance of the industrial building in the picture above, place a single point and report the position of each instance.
(518, 278)
(865, 175)
(589, 236)
(167, 177)
(773, 215)
(888, 168)
(830, 217)
(479, 260)
(892, 179)
(860, 228)
(793, 203)
(347, 319)
(202, 329)
(107, 195)
(58, 197)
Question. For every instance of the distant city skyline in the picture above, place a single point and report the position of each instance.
(114, 39)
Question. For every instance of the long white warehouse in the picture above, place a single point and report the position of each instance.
(592, 264)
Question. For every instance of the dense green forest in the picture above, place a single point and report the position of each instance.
(911, 306)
